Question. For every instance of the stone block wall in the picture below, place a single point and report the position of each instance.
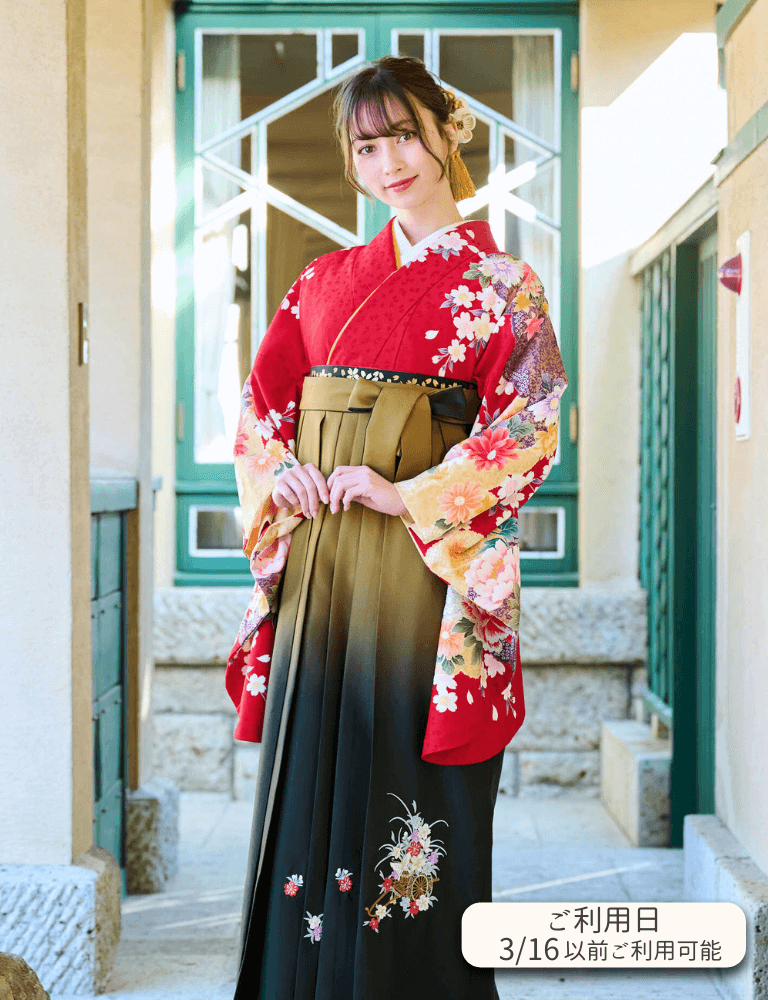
(583, 664)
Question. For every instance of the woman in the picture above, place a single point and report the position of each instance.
(402, 406)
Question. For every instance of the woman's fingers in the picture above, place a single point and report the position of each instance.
(317, 478)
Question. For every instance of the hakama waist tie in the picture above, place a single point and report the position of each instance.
(410, 427)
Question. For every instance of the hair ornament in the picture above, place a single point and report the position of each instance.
(462, 117)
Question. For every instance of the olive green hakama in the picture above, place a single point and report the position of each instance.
(340, 769)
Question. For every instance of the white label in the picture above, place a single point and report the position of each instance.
(616, 935)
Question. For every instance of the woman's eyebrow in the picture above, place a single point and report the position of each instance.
(394, 126)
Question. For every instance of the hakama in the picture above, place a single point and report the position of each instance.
(343, 794)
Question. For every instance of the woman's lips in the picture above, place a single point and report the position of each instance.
(401, 185)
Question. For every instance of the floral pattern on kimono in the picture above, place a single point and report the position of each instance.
(463, 513)
(461, 310)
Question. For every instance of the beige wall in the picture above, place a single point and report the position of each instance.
(163, 194)
(742, 585)
(118, 232)
(746, 66)
(651, 120)
(45, 709)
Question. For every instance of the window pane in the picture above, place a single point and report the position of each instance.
(291, 245)
(222, 319)
(512, 74)
(539, 530)
(303, 161)
(216, 528)
(411, 45)
(242, 74)
(343, 47)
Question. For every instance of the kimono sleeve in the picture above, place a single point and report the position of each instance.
(266, 433)
(264, 447)
(476, 491)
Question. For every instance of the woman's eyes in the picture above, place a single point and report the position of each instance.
(364, 150)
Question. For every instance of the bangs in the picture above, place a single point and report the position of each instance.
(373, 111)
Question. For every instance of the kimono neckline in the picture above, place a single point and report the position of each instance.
(406, 252)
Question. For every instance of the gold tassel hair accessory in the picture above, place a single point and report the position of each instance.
(458, 175)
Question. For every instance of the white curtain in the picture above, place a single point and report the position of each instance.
(533, 103)
(216, 315)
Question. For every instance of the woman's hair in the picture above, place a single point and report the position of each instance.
(402, 78)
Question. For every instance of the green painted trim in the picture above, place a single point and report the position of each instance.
(206, 487)
(728, 17)
(213, 579)
(114, 494)
(746, 141)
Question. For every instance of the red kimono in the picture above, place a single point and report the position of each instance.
(464, 311)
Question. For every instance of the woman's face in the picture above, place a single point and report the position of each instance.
(398, 169)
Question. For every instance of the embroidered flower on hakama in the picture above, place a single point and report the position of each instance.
(257, 684)
(459, 501)
(292, 883)
(492, 449)
(342, 877)
(315, 925)
(494, 573)
(412, 879)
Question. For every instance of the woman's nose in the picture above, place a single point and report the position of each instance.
(391, 159)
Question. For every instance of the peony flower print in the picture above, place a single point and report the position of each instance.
(494, 574)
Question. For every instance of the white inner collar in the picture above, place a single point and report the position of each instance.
(408, 252)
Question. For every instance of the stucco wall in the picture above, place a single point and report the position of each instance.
(118, 231)
(45, 742)
(742, 626)
(746, 66)
(652, 118)
(163, 215)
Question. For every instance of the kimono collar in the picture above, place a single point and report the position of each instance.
(408, 252)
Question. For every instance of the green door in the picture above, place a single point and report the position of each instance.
(706, 521)
(260, 195)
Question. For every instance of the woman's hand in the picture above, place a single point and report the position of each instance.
(358, 482)
(301, 486)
